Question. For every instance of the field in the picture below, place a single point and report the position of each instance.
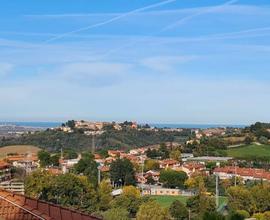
(166, 201)
(259, 151)
(20, 149)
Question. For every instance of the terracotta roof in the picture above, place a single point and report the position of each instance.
(3, 165)
(19, 207)
(22, 158)
(244, 172)
(168, 162)
(97, 156)
(196, 166)
(105, 169)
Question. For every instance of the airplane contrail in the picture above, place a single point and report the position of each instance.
(187, 18)
(110, 20)
(172, 25)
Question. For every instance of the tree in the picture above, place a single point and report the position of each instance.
(243, 213)
(164, 151)
(70, 154)
(36, 182)
(71, 124)
(193, 182)
(248, 140)
(71, 191)
(178, 210)
(175, 154)
(44, 158)
(201, 203)
(122, 172)
(261, 196)
(172, 178)
(131, 191)
(130, 200)
(18, 173)
(240, 198)
(152, 211)
(150, 180)
(116, 214)
(263, 140)
(88, 167)
(213, 216)
(55, 160)
(151, 165)
(236, 216)
(104, 195)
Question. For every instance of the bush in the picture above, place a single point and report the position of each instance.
(178, 210)
(213, 216)
(116, 214)
(243, 213)
(152, 211)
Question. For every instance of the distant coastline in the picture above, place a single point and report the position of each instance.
(198, 126)
(33, 124)
(158, 125)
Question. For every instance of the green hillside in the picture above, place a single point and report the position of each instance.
(250, 151)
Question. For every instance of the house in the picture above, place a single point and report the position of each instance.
(229, 172)
(159, 191)
(5, 171)
(28, 162)
(154, 174)
(104, 168)
(137, 151)
(192, 167)
(14, 185)
(186, 156)
(169, 163)
(114, 153)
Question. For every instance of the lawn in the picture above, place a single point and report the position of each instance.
(166, 201)
(20, 149)
(250, 151)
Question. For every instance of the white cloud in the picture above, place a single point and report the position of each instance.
(85, 70)
(5, 69)
(165, 63)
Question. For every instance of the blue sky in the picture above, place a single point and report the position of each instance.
(170, 61)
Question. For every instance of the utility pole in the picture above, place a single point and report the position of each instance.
(217, 192)
(142, 164)
(62, 157)
(99, 175)
(93, 144)
(235, 174)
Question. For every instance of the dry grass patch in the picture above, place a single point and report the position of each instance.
(19, 149)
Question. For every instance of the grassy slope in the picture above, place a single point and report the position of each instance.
(20, 149)
(166, 201)
(250, 151)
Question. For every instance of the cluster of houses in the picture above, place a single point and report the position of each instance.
(189, 164)
(94, 128)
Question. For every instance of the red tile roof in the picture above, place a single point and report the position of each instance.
(19, 207)
(168, 162)
(244, 172)
(22, 158)
(193, 165)
(3, 165)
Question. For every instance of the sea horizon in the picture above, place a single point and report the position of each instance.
(43, 124)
